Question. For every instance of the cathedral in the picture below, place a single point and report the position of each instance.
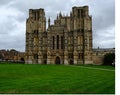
(67, 41)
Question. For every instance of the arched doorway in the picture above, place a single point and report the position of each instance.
(22, 60)
(45, 62)
(35, 58)
(71, 62)
(57, 60)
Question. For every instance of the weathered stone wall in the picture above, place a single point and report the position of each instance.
(67, 41)
(98, 60)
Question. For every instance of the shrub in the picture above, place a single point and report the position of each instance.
(109, 59)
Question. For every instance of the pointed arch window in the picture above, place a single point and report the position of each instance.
(53, 41)
(57, 41)
(62, 42)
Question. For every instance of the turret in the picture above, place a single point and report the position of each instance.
(86, 10)
(70, 14)
(49, 22)
(57, 17)
(60, 15)
(80, 12)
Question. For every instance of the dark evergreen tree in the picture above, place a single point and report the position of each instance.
(109, 59)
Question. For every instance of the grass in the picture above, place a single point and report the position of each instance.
(99, 66)
(52, 79)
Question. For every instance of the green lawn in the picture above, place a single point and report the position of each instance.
(18, 78)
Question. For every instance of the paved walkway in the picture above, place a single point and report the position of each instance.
(92, 68)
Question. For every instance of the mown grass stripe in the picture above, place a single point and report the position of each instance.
(55, 79)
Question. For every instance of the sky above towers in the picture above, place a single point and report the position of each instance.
(13, 14)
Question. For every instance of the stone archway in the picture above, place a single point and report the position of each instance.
(22, 60)
(36, 58)
(71, 62)
(45, 62)
(57, 60)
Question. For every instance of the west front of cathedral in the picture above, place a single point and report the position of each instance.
(67, 41)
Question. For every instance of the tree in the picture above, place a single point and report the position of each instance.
(109, 59)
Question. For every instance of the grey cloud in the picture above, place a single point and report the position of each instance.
(13, 39)
(13, 18)
(104, 37)
(2, 2)
(105, 19)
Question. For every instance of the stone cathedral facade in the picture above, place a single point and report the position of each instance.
(67, 41)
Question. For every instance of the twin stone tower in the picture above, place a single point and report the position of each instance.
(67, 41)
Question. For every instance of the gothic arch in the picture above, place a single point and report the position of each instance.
(71, 62)
(22, 60)
(57, 60)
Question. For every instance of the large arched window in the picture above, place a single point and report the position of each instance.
(57, 41)
(53, 41)
(62, 42)
(57, 60)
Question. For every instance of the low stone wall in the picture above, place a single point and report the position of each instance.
(98, 60)
(98, 54)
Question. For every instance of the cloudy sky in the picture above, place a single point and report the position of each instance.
(13, 14)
